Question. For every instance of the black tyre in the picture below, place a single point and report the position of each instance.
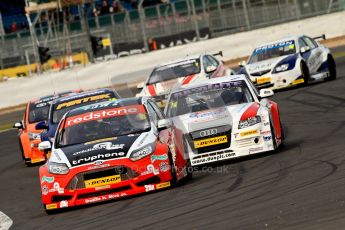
(27, 161)
(274, 138)
(331, 68)
(173, 180)
(305, 73)
(189, 170)
(21, 148)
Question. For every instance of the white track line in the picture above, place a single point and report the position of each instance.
(6, 130)
(5, 221)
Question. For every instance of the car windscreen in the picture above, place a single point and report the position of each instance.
(95, 125)
(208, 97)
(38, 112)
(173, 71)
(273, 51)
(59, 109)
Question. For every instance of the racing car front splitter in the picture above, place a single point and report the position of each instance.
(110, 180)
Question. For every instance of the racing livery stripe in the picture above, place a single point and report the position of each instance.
(152, 90)
(251, 111)
(188, 79)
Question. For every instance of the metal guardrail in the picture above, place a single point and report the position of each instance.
(220, 17)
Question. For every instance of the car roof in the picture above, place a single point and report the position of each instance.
(211, 81)
(111, 104)
(82, 95)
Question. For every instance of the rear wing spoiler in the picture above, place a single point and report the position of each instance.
(323, 37)
(220, 53)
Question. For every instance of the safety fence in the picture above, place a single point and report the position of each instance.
(164, 25)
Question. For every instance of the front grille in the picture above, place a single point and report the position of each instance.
(260, 73)
(224, 131)
(104, 192)
(78, 181)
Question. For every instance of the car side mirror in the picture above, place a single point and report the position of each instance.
(141, 85)
(41, 125)
(266, 93)
(164, 124)
(18, 125)
(45, 145)
(211, 68)
(305, 49)
(242, 64)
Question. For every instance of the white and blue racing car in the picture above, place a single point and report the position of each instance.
(289, 62)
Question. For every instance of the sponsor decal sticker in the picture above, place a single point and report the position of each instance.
(208, 115)
(247, 133)
(210, 141)
(102, 114)
(33, 161)
(298, 81)
(57, 188)
(254, 150)
(151, 169)
(210, 87)
(96, 157)
(163, 185)
(47, 179)
(164, 167)
(159, 157)
(265, 132)
(51, 206)
(92, 200)
(102, 181)
(289, 44)
(149, 187)
(262, 80)
(64, 204)
(100, 140)
(213, 158)
(267, 138)
(45, 190)
(83, 100)
(105, 145)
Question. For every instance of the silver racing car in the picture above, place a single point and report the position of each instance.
(224, 118)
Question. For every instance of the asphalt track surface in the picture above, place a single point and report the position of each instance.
(301, 187)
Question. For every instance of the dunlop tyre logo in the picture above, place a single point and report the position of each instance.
(102, 181)
(210, 141)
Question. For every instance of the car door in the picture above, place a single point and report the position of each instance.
(313, 56)
(174, 141)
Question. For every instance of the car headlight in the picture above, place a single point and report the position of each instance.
(34, 136)
(249, 122)
(57, 168)
(141, 153)
(282, 68)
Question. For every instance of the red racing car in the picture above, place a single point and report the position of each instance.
(110, 150)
